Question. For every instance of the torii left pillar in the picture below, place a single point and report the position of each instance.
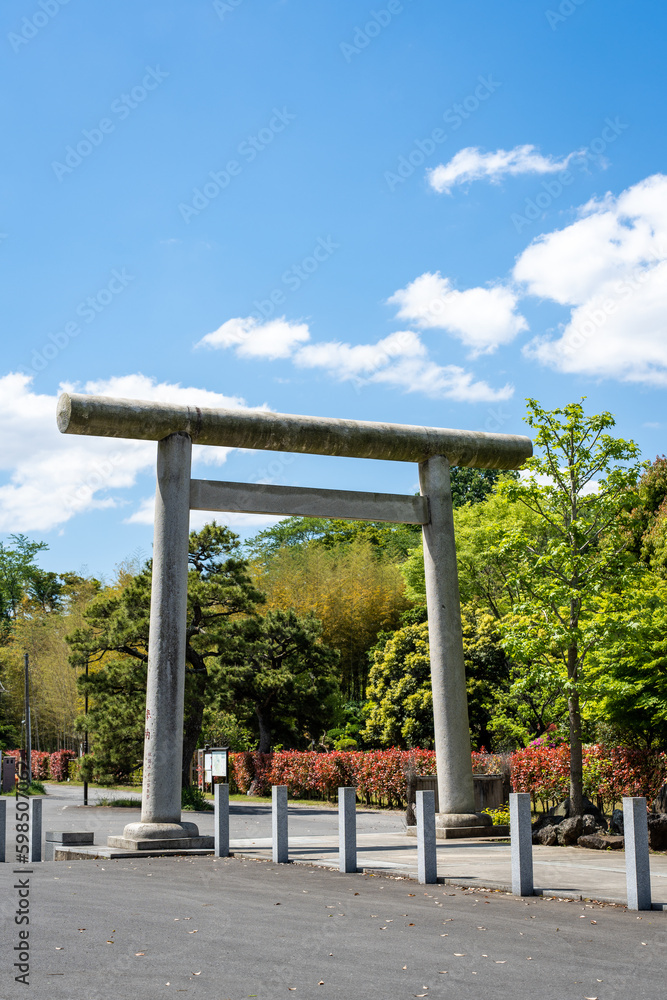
(161, 827)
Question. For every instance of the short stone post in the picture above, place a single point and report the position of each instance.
(3, 828)
(279, 824)
(347, 829)
(35, 847)
(427, 862)
(522, 844)
(221, 833)
(637, 866)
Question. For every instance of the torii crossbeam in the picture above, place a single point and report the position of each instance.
(176, 428)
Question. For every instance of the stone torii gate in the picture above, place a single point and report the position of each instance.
(176, 428)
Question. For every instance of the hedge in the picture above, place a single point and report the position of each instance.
(380, 775)
(47, 766)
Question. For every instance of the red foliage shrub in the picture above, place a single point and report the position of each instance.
(380, 775)
(46, 765)
(59, 764)
(610, 773)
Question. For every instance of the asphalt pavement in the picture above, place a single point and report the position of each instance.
(233, 929)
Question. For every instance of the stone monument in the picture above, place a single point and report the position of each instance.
(176, 428)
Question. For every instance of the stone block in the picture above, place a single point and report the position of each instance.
(427, 864)
(521, 850)
(637, 863)
(169, 844)
(69, 837)
(56, 839)
(279, 824)
(347, 829)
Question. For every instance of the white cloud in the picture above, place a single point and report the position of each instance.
(483, 318)
(471, 164)
(441, 382)
(277, 338)
(345, 361)
(53, 476)
(610, 267)
(399, 360)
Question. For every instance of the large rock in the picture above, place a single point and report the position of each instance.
(616, 822)
(589, 824)
(601, 842)
(547, 836)
(563, 810)
(660, 804)
(569, 831)
(657, 832)
(545, 820)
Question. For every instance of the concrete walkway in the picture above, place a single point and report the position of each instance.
(383, 846)
(559, 871)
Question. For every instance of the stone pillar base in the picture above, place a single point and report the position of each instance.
(462, 819)
(455, 826)
(161, 837)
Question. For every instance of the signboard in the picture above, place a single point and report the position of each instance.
(219, 763)
(207, 768)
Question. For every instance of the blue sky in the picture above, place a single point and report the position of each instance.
(416, 211)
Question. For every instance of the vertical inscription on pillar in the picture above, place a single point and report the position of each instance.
(148, 757)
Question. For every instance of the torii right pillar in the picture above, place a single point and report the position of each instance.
(456, 815)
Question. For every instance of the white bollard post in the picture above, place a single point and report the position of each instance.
(279, 824)
(3, 828)
(35, 835)
(347, 829)
(221, 832)
(522, 844)
(637, 865)
(427, 862)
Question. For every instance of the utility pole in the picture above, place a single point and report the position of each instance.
(28, 734)
(85, 739)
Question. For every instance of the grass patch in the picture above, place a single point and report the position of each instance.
(121, 803)
(105, 788)
(312, 803)
(36, 788)
(194, 800)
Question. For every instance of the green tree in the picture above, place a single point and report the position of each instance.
(487, 574)
(282, 676)
(390, 541)
(115, 642)
(645, 521)
(22, 580)
(579, 486)
(628, 662)
(351, 589)
(41, 622)
(399, 710)
(473, 486)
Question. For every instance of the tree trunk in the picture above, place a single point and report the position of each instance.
(576, 757)
(193, 720)
(264, 731)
